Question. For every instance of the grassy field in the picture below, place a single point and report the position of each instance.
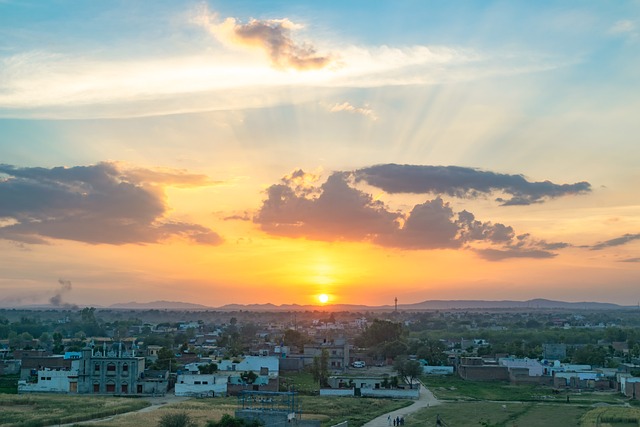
(42, 410)
(9, 384)
(301, 382)
(455, 388)
(520, 414)
(329, 410)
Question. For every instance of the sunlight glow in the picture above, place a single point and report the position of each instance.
(323, 298)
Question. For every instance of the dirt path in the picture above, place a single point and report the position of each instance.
(427, 399)
(156, 402)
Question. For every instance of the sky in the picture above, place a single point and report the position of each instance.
(275, 151)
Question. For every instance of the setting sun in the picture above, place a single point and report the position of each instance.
(323, 298)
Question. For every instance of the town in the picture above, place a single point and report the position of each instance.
(274, 356)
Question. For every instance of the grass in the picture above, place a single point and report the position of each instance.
(611, 416)
(43, 410)
(455, 388)
(356, 410)
(301, 382)
(329, 410)
(495, 414)
(9, 384)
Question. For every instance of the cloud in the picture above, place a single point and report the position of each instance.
(464, 182)
(102, 203)
(273, 36)
(101, 81)
(336, 210)
(625, 28)
(500, 255)
(346, 107)
(631, 260)
(616, 242)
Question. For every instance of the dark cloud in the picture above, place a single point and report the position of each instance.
(631, 260)
(338, 211)
(616, 242)
(464, 182)
(502, 254)
(274, 36)
(102, 203)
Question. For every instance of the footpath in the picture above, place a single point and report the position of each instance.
(426, 400)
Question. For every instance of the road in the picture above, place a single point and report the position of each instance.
(427, 399)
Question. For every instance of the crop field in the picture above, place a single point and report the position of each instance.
(43, 410)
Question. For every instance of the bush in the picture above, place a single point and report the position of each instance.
(176, 419)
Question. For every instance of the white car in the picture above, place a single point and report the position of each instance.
(358, 364)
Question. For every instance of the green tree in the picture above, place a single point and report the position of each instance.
(295, 338)
(166, 360)
(211, 368)
(176, 419)
(409, 370)
(320, 368)
(249, 377)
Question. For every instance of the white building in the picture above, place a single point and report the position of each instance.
(201, 385)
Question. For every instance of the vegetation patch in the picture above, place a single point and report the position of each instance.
(611, 416)
(44, 410)
(495, 414)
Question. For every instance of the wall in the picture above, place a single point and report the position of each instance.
(336, 392)
(483, 373)
(391, 393)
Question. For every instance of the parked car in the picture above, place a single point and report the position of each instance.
(358, 364)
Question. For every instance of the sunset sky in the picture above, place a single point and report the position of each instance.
(274, 151)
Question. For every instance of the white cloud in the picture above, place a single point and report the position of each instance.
(72, 85)
(347, 107)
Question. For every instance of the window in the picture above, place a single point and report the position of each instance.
(96, 367)
(96, 388)
(124, 388)
(111, 388)
(111, 368)
(125, 368)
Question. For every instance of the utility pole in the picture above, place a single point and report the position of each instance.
(396, 304)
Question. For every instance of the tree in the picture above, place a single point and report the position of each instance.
(294, 338)
(166, 359)
(211, 368)
(249, 377)
(176, 419)
(409, 370)
(320, 368)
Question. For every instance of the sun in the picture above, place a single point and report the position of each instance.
(323, 298)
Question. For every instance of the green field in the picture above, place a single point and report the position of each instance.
(43, 410)
(9, 384)
(455, 388)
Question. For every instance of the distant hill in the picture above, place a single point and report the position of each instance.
(533, 303)
(538, 303)
(160, 305)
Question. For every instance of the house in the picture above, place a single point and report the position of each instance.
(113, 371)
(265, 368)
(209, 385)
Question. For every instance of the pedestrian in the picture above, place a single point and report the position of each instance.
(389, 419)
